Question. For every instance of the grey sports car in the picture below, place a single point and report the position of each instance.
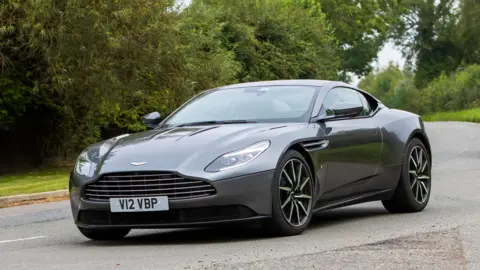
(271, 152)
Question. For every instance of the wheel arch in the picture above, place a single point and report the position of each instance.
(418, 134)
(299, 148)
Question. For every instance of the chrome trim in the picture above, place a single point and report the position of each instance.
(138, 184)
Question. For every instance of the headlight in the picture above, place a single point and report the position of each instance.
(238, 158)
(89, 159)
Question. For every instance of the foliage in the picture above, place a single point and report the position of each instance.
(76, 71)
(468, 31)
(21, 68)
(14, 98)
(362, 28)
(453, 92)
(270, 39)
(89, 70)
(111, 62)
(394, 87)
(438, 36)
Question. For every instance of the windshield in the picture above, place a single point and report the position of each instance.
(258, 104)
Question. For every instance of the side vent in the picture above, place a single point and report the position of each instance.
(315, 145)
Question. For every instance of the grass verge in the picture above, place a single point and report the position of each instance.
(50, 199)
(34, 182)
(472, 115)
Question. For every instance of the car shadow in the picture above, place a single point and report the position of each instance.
(240, 232)
(334, 217)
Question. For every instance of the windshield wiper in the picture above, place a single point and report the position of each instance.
(215, 123)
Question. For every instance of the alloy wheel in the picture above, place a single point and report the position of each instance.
(296, 190)
(419, 173)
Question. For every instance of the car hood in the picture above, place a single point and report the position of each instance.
(184, 148)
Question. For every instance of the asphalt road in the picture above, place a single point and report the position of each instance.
(446, 235)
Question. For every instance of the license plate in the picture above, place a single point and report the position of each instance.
(139, 204)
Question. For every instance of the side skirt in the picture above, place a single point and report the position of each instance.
(367, 197)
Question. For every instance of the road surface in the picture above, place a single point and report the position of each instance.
(446, 235)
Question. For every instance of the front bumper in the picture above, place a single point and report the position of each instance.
(237, 199)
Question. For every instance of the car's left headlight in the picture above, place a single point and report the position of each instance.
(89, 159)
(238, 158)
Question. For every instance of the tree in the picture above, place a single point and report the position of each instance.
(426, 32)
(271, 39)
(469, 31)
(361, 27)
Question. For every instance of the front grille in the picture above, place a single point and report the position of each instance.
(134, 184)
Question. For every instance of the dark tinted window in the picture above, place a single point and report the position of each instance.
(340, 95)
(366, 104)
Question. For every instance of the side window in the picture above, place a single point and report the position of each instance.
(366, 106)
(340, 95)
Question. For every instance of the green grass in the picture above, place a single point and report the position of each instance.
(472, 115)
(34, 182)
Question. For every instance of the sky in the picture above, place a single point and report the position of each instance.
(390, 53)
(387, 54)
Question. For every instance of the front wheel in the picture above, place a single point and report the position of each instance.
(414, 186)
(104, 234)
(292, 197)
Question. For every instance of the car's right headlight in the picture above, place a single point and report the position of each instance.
(238, 158)
(89, 159)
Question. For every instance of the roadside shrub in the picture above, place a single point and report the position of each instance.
(458, 91)
(394, 87)
(447, 93)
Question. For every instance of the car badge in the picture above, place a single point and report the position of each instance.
(138, 163)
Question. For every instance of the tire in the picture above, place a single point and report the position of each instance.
(406, 198)
(279, 224)
(104, 234)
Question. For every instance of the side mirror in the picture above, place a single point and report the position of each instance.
(343, 110)
(152, 120)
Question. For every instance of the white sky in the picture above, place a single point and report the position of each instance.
(390, 53)
(387, 54)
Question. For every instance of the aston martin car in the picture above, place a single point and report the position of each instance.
(270, 152)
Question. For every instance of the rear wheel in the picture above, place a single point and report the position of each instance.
(292, 196)
(104, 234)
(414, 187)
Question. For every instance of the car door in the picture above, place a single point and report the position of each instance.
(354, 144)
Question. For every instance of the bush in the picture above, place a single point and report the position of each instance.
(458, 91)
(394, 87)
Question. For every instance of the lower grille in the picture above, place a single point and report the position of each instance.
(135, 184)
(188, 215)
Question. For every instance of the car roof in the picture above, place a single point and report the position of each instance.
(305, 82)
